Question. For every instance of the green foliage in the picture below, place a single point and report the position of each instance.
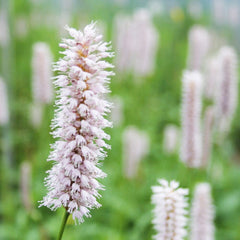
(150, 105)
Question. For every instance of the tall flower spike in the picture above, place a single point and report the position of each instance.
(171, 138)
(227, 97)
(202, 213)
(41, 65)
(145, 42)
(191, 113)
(122, 34)
(170, 210)
(135, 147)
(199, 43)
(212, 78)
(4, 112)
(78, 124)
(136, 43)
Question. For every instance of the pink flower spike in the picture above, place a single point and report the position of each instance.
(191, 149)
(202, 213)
(78, 124)
(4, 111)
(170, 210)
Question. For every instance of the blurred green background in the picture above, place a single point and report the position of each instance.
(126, 207)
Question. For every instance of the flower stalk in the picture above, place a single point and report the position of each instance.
(64, 221)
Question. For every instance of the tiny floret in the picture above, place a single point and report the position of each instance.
(78, 123)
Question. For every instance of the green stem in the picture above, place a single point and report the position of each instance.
(64, 221)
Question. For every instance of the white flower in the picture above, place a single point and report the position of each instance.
(191, 116)
(4, 111)
(78, 123)
(136, 40)
(199, 43)
(135, 148)
(170, 210)
(144, 42)
(227, 98)
(42, 73)
(212, 77)
(202, 213)
(171, 138)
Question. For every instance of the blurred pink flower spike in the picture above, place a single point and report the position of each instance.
(4, 110)
(136, 42)
(198, 46)
(78, 123)
(42, 73)
(191, 143)
(171, 138)
(212, 78)
(202, 213)
(227, 98)
(135, 148)
(170, 210)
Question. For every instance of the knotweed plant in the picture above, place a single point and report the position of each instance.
(135, 148)
(202, 213)
(191, 117)
(199, 43)
(41, 80)
(4, 111)
(227, 97)
(171, 138)
(42, 73)
(145, 42)
(170, 210)
(122, 24)
(136, 41)
(78, 124)
(212, 77)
